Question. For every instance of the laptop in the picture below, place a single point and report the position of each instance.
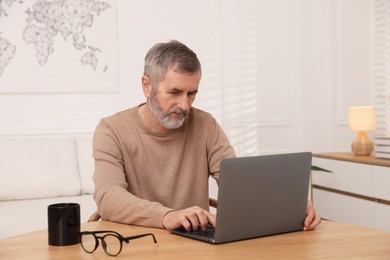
(259, 196)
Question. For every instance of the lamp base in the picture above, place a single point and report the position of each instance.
(362, 144)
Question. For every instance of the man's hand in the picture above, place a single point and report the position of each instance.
(312, 218)
(190, 218)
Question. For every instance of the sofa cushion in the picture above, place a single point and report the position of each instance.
(21, 216)
(86, 163)
(38, 167)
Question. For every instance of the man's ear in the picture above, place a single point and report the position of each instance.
(146, 86)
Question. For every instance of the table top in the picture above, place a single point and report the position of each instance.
(331, 240)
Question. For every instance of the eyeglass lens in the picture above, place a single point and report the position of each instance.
(111, 243)
(89, 242)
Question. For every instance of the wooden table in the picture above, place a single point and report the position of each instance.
(331, 240)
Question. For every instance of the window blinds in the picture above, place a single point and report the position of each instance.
(381, 66)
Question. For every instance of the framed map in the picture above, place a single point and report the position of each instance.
(54, 46)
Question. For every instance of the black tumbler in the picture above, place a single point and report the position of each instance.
(64, 224)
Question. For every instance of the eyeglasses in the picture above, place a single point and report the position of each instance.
(111, 241)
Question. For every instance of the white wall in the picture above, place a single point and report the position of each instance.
(336, 69)
(278, 75)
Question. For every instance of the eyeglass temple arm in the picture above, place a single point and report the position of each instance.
(127, 239)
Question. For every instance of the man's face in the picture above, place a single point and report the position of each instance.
(173, 98)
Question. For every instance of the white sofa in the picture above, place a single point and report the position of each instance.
(38, 171)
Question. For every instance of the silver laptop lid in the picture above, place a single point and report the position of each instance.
(262, 195)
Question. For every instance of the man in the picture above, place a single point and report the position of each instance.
(153, 161)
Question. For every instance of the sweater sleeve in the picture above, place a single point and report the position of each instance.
(218, 148)
(113, 200)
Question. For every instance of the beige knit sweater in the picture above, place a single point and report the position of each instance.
(141, 174)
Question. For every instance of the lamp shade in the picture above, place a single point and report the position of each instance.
(361, 118)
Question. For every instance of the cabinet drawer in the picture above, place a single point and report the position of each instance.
(382, 183)
(347, 176)
(382, 217)
(343, 208)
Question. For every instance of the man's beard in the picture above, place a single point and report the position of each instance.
(163, 118)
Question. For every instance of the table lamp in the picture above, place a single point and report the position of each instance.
(362, 119)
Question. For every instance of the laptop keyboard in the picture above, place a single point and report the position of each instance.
(208, 233)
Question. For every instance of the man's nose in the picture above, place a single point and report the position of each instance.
(184, 103)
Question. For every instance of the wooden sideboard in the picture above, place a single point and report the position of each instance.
(357, 192)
